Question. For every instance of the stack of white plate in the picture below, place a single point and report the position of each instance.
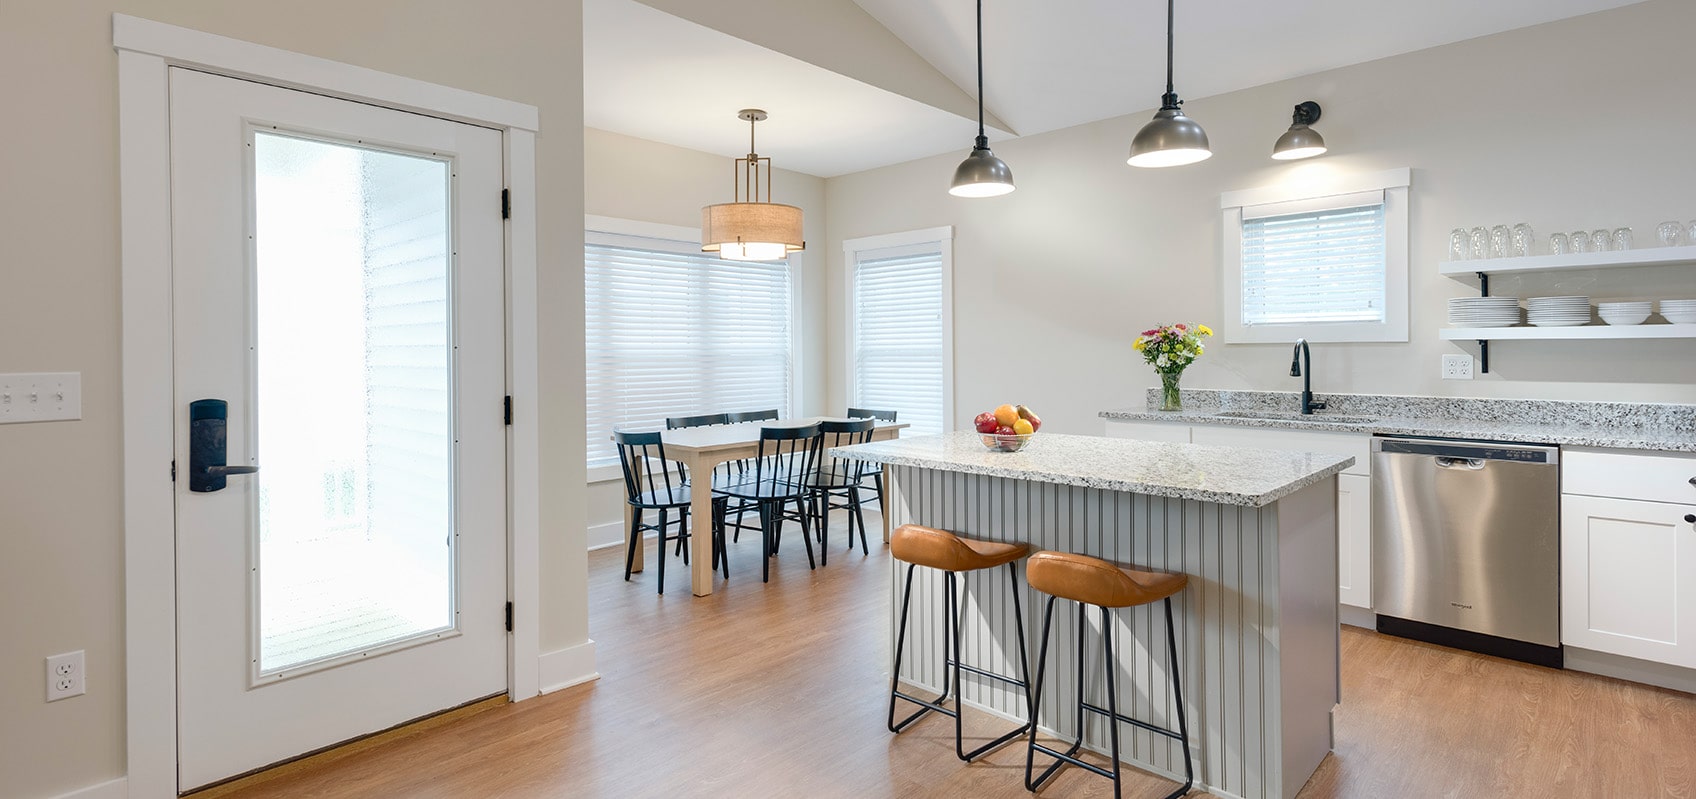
(1679, 312)
(1484, 311)
(1557, 311)
(1624, 313)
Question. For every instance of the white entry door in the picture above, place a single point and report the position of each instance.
(338, 285)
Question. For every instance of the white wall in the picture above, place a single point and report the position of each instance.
(61, 581)
(1578, 124)
(631, 178)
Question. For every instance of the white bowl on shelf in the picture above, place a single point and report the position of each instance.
(1679, 312)
(1624, 317)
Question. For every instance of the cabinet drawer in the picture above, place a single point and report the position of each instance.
(1357, 445)
(1657, 477)
(1170, 432)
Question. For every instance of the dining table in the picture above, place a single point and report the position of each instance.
(699, 450)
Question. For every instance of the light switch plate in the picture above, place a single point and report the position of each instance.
(40, 397)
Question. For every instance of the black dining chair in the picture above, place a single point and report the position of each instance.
(783, 473)
(839, 478)
(704, 420)
(875, 473)
(753, 416)
(737, 471)
(650, 485)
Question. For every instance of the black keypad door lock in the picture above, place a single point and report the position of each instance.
(207, 438)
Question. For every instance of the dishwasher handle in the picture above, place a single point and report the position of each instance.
(1445, 462)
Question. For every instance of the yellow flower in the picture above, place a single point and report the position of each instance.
(1138, 344)
(1204, 330)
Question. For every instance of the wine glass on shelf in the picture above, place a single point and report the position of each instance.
(1558, 244)
(1580, 241)
(1669, 233)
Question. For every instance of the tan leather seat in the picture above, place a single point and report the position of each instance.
(940, 549)
(1094, 581)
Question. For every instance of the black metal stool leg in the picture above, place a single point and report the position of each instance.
(925, 706)
(1178, 699)
(1112, 691)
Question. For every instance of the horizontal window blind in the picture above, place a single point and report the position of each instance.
(899, 340)
(1314, 266)
(677, 333)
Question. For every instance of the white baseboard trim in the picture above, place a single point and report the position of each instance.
(563, 668)
(1620, 667)
(607, 534)
(111, 789)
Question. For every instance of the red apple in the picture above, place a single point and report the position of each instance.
(1030, 416)
(985, 422)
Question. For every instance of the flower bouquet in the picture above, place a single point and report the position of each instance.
(1170, 349)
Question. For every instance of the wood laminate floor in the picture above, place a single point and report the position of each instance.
(779, 690)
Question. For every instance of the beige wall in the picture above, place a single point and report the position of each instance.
(61, 556)
(1577, 124)
(631, 178)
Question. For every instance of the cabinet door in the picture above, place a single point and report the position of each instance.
(1354, 540)
(1628, 578)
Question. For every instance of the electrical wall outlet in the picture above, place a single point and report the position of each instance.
(65, 677)
(1457, 367)
(40, 397)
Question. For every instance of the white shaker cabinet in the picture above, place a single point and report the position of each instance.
(1628, 555)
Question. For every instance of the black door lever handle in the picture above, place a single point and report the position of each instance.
(207, 436)
(219, 471)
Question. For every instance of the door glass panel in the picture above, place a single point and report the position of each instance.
(353, 376)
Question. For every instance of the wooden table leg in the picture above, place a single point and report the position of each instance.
(700, 524)
(636, 465)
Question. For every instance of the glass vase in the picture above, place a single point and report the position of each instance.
(1170, 398)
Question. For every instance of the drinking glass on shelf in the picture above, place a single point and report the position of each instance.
(1580, 241)
(1669, 233)
(1692, 238)
(1499, 241)
(1480, 241)
(1600, 240)
(1520, 240)
(1558, 244)
(1457, 244)
(1622, 238)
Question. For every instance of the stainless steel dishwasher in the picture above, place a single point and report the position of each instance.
(1466, 545)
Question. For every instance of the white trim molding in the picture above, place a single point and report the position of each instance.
(573, 665)
(146, 50)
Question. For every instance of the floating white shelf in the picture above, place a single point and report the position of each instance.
(1651, 256)
(1566, 333)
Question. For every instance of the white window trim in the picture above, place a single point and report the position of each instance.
(1394, 184)
(146, 50)
(943, 237)
(615, 226)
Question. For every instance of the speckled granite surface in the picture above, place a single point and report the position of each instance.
(1648, 426)
(1226, 475)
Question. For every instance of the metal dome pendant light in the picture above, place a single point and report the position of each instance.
(981, 174)
(752, 228)
(1170, 139)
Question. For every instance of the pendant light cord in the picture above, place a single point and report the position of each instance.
(983, 141)
(1170, 99)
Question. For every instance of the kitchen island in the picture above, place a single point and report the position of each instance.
(1254, 529)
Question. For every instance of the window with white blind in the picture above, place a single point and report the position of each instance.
(671, 331)
(1321, 265)
(900, 337)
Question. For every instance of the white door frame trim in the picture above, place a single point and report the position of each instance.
(146, 49)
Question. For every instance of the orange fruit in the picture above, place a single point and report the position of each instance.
(1023, 427)
(1006, 415)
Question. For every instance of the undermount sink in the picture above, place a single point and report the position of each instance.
(1276, 416)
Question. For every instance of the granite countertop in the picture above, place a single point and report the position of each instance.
(1225, 475)
(1667, 428)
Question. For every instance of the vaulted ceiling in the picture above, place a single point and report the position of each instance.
(856, 84)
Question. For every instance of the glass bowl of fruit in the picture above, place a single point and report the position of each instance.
(1008, 428)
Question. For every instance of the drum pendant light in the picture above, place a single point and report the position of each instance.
(981, 174)
(1170, 139)
(751, 228)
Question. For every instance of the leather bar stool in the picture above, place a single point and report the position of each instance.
(952, 554)
(1092, 581)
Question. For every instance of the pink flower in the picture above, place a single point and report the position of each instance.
(1179, 326)
(1150, 332)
